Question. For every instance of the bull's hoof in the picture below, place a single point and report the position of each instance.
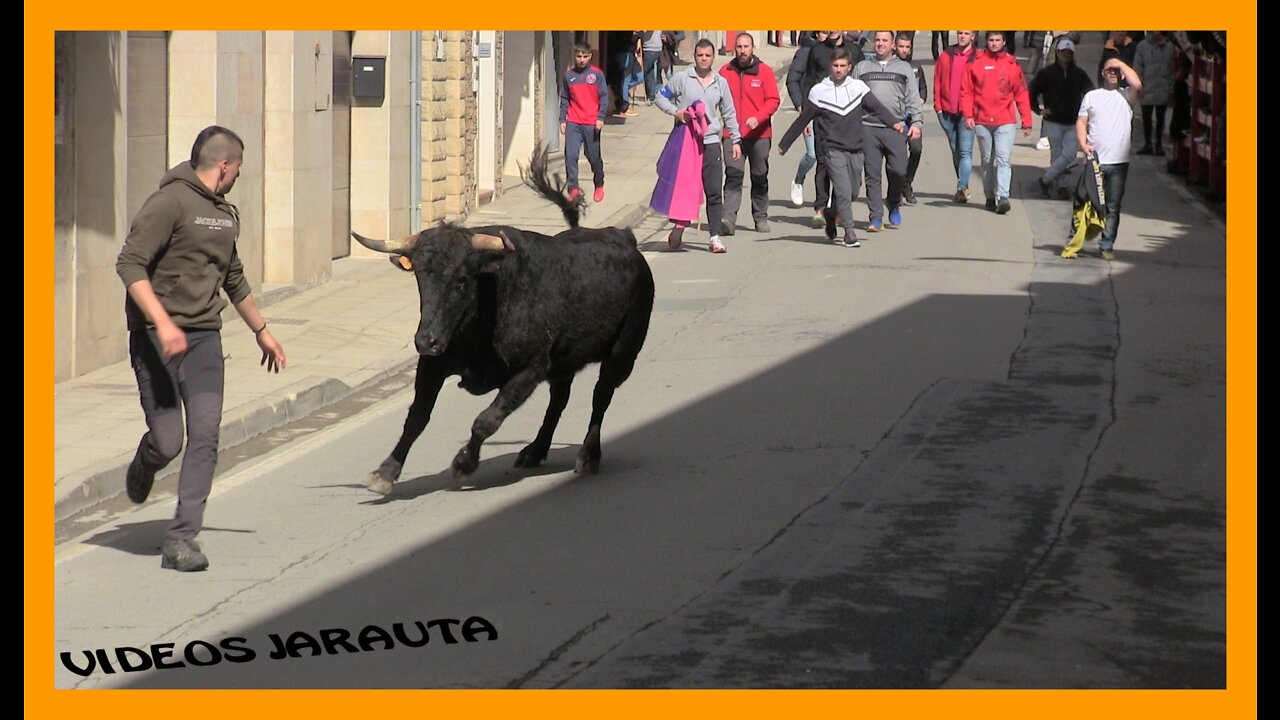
(465, 463)
(381, 480)
(586, 463)
(531, 456)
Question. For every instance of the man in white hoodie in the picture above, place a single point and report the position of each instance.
(835, 106)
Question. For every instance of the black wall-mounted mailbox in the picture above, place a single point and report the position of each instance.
(370, 79)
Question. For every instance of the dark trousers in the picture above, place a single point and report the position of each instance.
(939, 42)
(883, 149)
(578, 137)
(755, 152)
(192, 382)
(821, 177)
(1147, 111)
(914, 149)
(616, 75)
(652, 59)
(713, 184)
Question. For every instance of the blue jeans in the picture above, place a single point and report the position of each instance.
(651, 63)
(809, 160)
(1113, 180)
(961, 140)
(996, 169)
(1062, 148)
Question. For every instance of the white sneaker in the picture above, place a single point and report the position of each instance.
(797, 195)
(1043, 144)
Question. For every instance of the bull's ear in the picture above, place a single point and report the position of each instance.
(401, 261)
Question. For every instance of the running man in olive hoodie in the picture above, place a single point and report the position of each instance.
(180, 250)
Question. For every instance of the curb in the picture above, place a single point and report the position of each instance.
(628, 217)
(107, 481)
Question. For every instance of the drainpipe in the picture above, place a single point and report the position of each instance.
(415, 135)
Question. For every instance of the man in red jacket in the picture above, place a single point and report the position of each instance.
(948, 79)
(993, 97)
(755, 99)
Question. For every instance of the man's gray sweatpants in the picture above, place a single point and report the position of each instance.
(190, 381)
(881, 145)
(845, 171)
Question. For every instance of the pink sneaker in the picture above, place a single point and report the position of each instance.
(599, 196)
(574, 194)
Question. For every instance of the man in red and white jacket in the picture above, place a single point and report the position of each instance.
(993, 98)
(754, 90)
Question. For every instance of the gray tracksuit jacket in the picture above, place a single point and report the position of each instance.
(894, 85)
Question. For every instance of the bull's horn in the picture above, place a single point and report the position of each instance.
(492, 243)
(387, 246)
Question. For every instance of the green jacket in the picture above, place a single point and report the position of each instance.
(184, 241)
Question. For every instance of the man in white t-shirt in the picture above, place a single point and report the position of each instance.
(1104, 127)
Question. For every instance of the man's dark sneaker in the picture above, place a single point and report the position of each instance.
(908, 196)
(1145, 150)
(138, 479)
(1044, 187)
(850, 240)
(762, 225)
(726, 227)
(991, 204)
(829, 215)
(182, 555)
(1159, 151)
(1064, 193)
(1003, 206)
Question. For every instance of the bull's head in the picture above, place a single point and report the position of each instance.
(447, 261)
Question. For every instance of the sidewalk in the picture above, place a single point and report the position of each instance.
(340, 337)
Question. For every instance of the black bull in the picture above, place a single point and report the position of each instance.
(506, 309)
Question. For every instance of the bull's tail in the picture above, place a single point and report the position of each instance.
(538, 177)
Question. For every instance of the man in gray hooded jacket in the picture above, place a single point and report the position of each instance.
(893, 82)
(685, 88)
(180, 251)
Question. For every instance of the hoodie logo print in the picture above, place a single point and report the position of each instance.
(213, 222)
